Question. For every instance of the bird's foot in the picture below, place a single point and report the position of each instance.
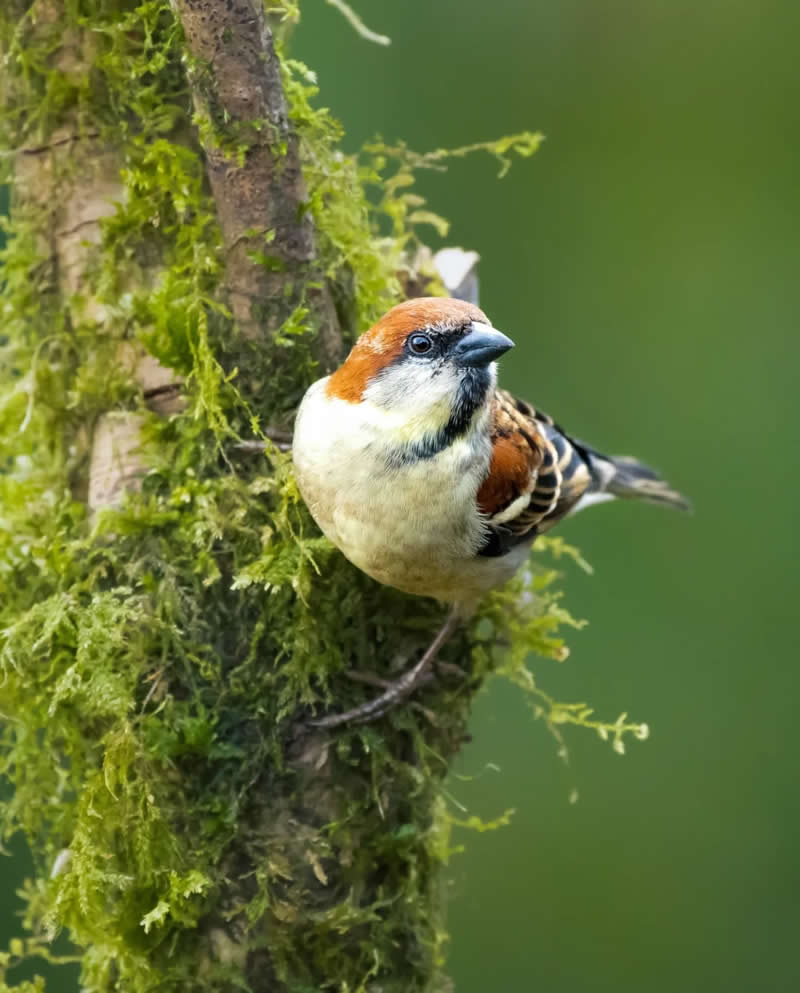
(396, 690)
(372, 679)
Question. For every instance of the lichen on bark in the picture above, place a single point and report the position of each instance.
(169, 623)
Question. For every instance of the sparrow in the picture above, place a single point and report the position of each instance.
(430, 478)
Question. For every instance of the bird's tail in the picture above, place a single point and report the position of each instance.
(627, 478)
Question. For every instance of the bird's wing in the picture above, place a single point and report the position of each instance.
(537, 473)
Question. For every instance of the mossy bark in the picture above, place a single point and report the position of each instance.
(258, 853)
(188, 250)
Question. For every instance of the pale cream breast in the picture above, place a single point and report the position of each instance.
(415, 526)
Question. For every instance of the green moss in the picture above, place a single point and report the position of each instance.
(158, 661)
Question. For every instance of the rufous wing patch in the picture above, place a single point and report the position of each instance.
(517, 452)
(511, 470)
(560, 477)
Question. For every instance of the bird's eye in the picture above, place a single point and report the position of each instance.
(420, 344)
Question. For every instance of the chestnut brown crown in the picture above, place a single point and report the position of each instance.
(385, 341)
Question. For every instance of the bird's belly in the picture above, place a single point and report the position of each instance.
(418, 545)
(416, 528)
(413, 525)
(409, 535)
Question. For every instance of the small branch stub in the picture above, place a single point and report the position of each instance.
(116, 466)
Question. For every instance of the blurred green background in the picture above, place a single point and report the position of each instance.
(646, 263)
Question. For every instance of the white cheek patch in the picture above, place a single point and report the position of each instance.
(415, 398)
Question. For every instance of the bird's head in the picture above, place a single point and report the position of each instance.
(424, 370)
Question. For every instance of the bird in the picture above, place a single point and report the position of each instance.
(433, 480)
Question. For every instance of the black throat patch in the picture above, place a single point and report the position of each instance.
(470, 397)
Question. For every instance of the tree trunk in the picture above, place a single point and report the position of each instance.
(170, 615)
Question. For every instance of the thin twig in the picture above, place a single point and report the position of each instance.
(281, 439)
(357, 24)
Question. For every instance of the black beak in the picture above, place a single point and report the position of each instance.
(481, 345)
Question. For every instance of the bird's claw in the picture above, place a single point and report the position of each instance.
(396, 690)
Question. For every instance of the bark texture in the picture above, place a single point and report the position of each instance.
(304, 861)
(70, 180)
(254, 169)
